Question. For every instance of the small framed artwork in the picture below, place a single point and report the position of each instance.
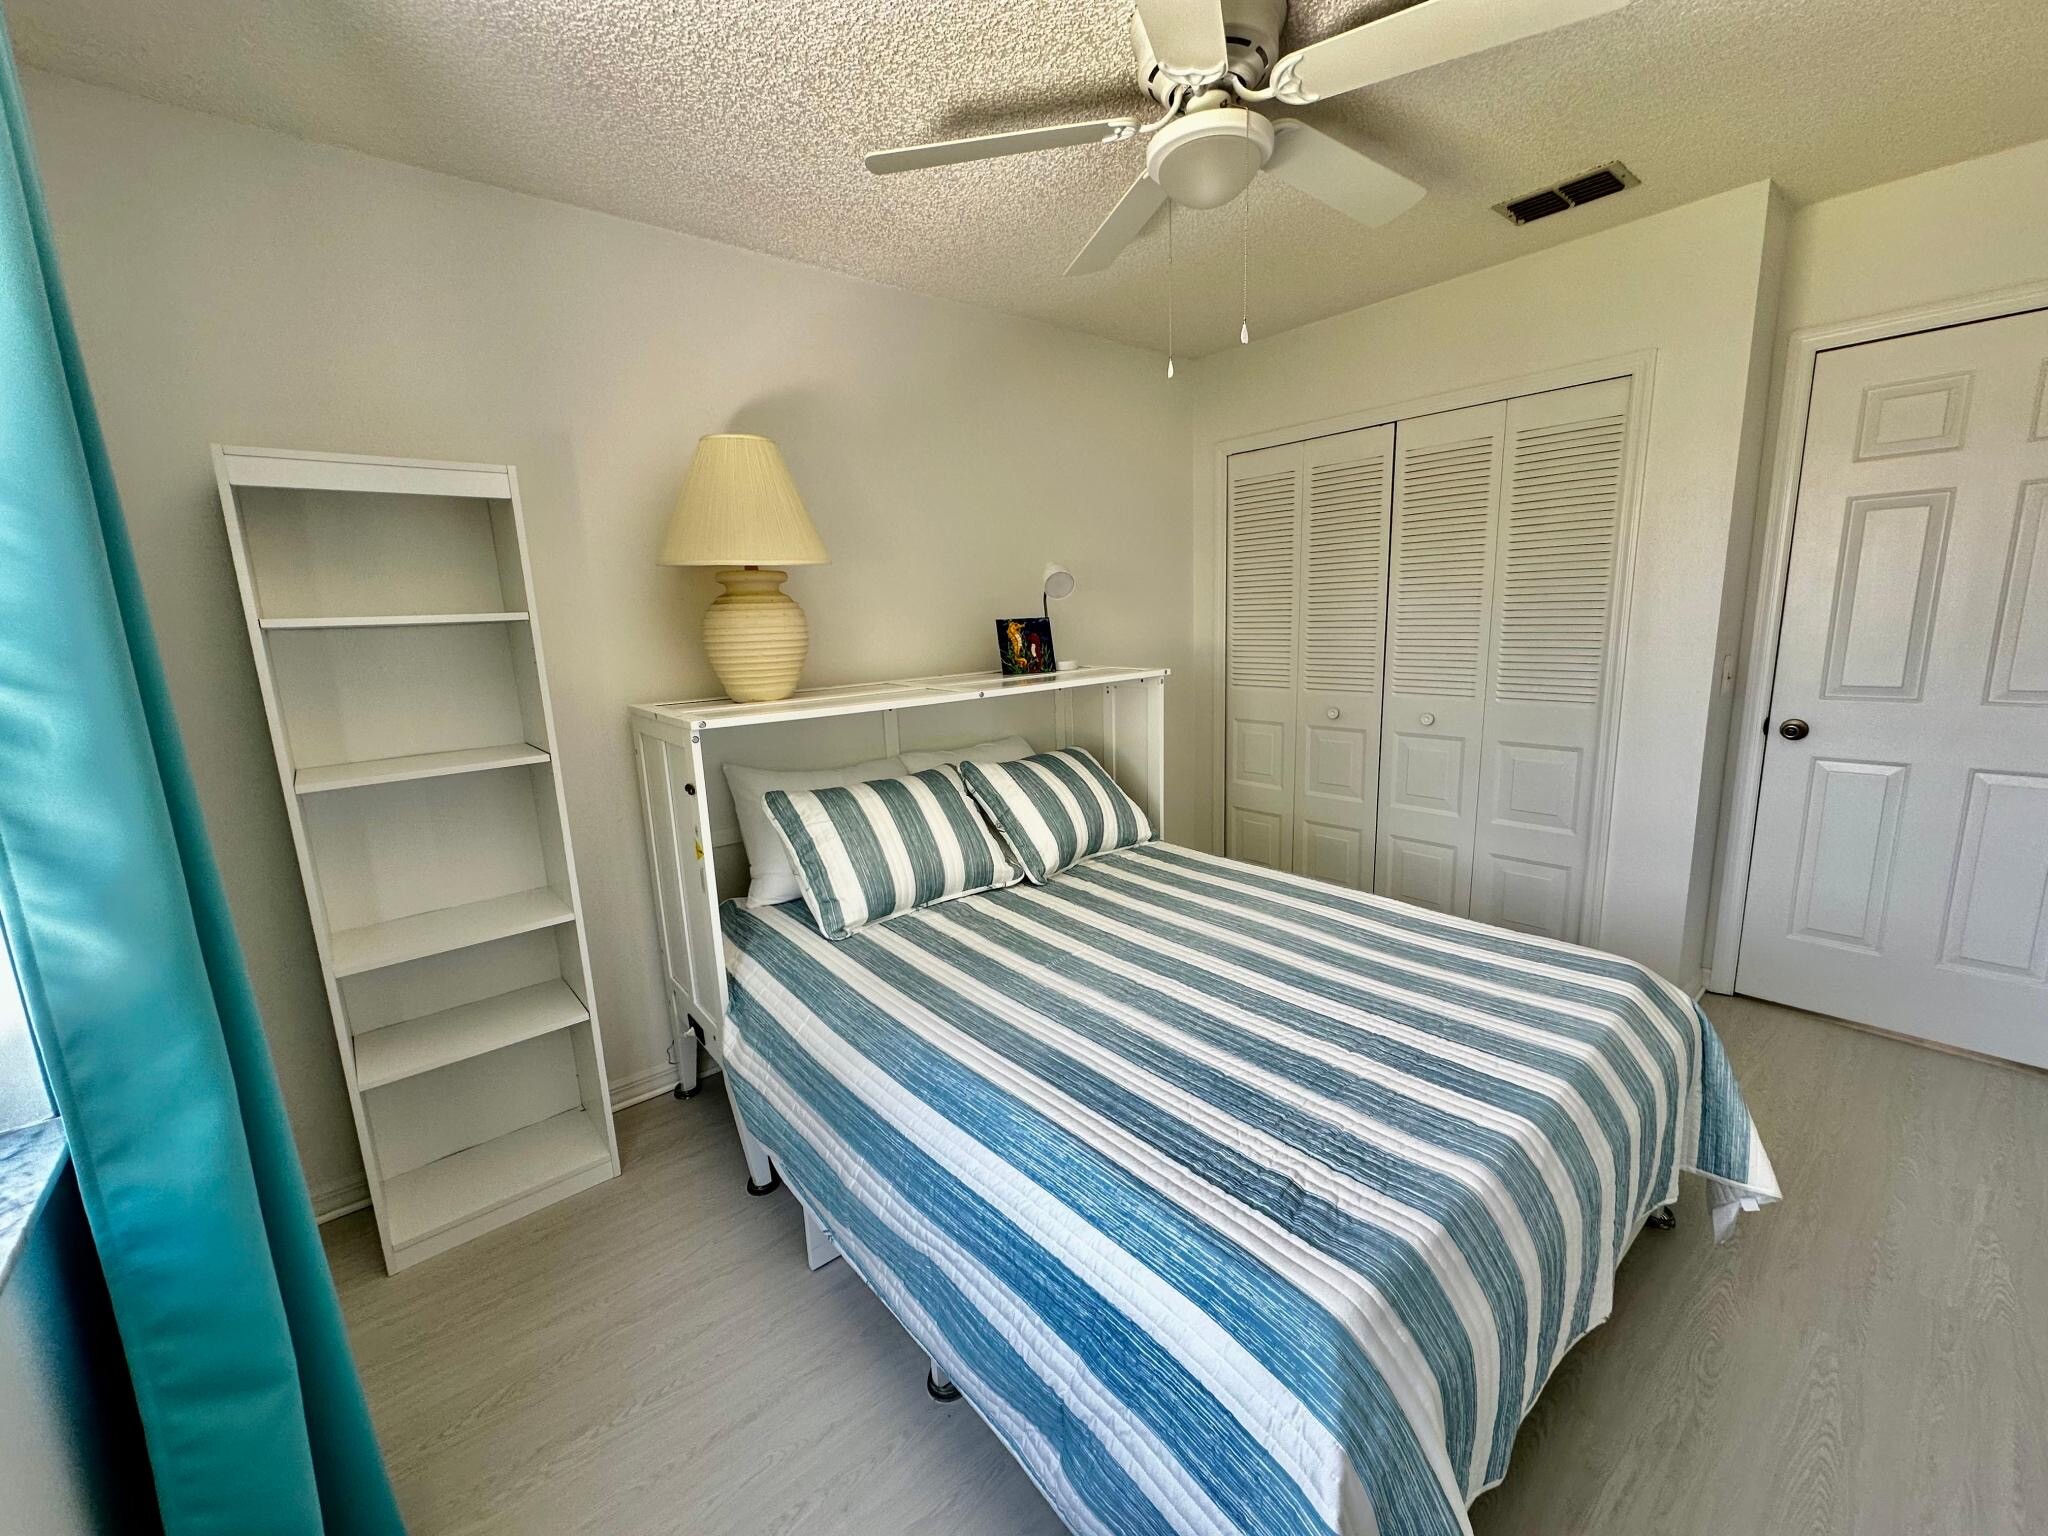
(1025, 646)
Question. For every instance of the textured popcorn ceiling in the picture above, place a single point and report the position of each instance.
(744, 121)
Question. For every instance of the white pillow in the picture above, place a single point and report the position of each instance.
(1006, 749)
(771, 878)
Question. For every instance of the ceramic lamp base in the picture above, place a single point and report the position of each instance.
(755, 636)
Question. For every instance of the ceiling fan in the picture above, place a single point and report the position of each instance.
(1207, 61)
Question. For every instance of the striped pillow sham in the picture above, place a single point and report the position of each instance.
(865, 852)
(1056, 809)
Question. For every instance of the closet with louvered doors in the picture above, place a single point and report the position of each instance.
(1307, 546)
(1556, 565)
(1439, 612)
(1501, 531)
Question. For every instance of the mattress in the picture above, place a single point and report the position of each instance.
(1233, 1201)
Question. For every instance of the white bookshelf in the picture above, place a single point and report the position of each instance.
(389, 605)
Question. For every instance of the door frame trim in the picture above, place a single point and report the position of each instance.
(1770, 566)
(1639, 368)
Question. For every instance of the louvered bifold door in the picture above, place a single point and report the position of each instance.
(1554, 580)
(1439, 624)
(1347, 483)
(1262, 654)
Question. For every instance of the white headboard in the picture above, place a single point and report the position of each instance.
(1117, 713)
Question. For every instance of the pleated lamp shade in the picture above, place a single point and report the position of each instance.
(739, 507)
(740, 511)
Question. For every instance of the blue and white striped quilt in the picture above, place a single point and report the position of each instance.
(1233, 1201)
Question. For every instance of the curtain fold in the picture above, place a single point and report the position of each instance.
(133, 978)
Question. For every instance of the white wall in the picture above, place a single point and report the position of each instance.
(1694, 288)
(1969, 229)
(236, 285)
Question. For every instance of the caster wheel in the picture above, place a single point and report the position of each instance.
(774, 1183)
(946, 1394)
(687, 1093)
(1663, 1219)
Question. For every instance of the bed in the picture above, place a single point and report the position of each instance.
(1233, 1201)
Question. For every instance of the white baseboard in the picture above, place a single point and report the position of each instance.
(628, 1091)
(344, 1197)
(641, 1086)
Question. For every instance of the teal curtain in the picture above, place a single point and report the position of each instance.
(133, 979)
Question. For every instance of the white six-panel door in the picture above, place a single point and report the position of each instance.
(1306, 582)
(1900, 871)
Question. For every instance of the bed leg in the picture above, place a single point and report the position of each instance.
(762, 1179)
(940, 1385)
(687, 1086)
(1664, 1218)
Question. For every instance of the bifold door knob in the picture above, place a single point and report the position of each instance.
(1331, 713)
(1792, 730)
(1425, 719)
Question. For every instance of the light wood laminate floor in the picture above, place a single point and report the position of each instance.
(1867, 1357)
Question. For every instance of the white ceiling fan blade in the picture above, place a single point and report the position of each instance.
(1434, 32)
(988, 146)
(1186, 37)
(1332, 172)
(1126, 221)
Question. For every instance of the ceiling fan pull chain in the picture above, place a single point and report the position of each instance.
(1244, 240)
(1169, 290)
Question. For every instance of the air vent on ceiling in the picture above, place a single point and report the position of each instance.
(1590, 188)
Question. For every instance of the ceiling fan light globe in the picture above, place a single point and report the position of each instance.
(1207, 174)
(1205, 160)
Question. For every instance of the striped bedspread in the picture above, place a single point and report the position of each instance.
(1234, 1202)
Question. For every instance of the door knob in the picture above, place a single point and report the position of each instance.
(1425, 719)
(1331, 713)
(1792, 730)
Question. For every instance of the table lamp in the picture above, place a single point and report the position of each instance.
(739, 511)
